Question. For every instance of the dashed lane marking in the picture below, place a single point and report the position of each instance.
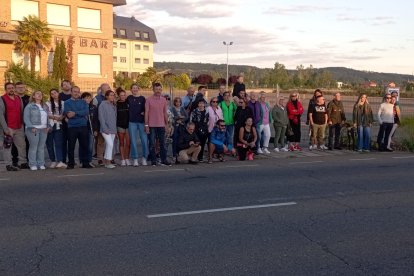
(362, 159)
(80, 175)
(170, 170)
(308, 162)
(403, 157)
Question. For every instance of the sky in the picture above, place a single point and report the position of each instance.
(364, 35)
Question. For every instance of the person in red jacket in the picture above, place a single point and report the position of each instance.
(295, 111)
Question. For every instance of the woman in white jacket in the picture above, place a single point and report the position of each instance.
(386, 120)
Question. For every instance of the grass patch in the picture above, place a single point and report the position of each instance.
(406, 136)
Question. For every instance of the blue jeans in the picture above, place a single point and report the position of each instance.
(54, 144)
(37, 142)
(229, 136)
(133, 128)
(157, 133)
(364, 138)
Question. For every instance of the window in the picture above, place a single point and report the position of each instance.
(137, 34)
(137, 47)
(146, 48)
(114, 44)
(22, 8)
(114, 59)
(58, 15)
(146, 35)
(114, 31)
(122, 45)
(89, 19)
(122, 59)
(122, 32)
(146, 61)
(89, 64)
(138, 60)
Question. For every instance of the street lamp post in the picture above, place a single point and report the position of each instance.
(227, 70)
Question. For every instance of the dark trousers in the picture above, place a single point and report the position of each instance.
(242, 152)
(203, 140)
(65, 141)
(178, 129)
(79, 134)
(334, 131)
(157, 133)
(384, 135)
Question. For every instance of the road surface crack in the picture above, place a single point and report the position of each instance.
(38, 254)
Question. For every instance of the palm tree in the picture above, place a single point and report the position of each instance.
(34, 36)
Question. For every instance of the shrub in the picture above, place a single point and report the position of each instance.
(407, 134)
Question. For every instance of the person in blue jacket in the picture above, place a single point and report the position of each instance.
(217, 141)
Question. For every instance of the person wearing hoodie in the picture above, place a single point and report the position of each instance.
(280, 124)
(217, 140)
(336, 117)
(228, 108)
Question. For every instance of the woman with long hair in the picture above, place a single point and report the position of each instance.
(242, 113)
(122, 122)
(37, 127)
(246, 144)
(200, 118)
(54, 141)
(295, 110)
(180, 117)
(214, 112)
(362, 119)
(107, 118)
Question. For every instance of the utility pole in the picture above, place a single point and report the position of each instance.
(227, 63)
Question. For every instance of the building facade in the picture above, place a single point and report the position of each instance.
(88, 22)
(133, 46)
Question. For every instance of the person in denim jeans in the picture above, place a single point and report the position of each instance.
(54, 141)
(37, 128)
(136, 108)
(362, 119)
(156, 123)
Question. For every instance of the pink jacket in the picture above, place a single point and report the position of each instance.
(213, 116)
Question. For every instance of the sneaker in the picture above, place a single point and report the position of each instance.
(365, 150)
(313, 147)
(123, 163)
(136, 163)
(276, 150)
(153, 164)
(42, 168)
(265, 150)
(52, 165)
(61, 165)
(323, 147)
(24, 166)
(166, 163)
(284, 149)
(201, 160)
(92, 164)
(360, 150)
(110, 166)
(12, 168)
(33, 168)
(259, 151)
(144, 161)
(100, 163)
(128, 162)
(310, 147)
(86, 166)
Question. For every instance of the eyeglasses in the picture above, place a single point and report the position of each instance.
(293, 96)
(213, 101)
(222, 125)
(241, 102)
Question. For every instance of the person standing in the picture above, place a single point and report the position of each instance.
(386, 121)
(295, 110)
(215, 113)
(76, 111)
(37, 127)
(107, 114)
(318, 118)
(188, 145)
(93, 125)
(200, 118)
(280, 124)
(201, 96)
(228, 108)
(311, 105)
(20, 89)
(187, 100)
(257, 114)
(54, 140)
(362, 118)
(11, 122)
(263, 126)
(222, 90)
(64, 95)
(239, 86)
(136, 108)
(242, 113)
(180, 117)
(156, 123)
(122, 122)
(397, 118)
(100, 141)
(336, 117)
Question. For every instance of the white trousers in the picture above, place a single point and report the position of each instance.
(109, 145)
(264, 131)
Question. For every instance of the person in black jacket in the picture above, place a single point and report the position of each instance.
(93, 125)
(239, 86)
(242, 113)
(188, 145)
(202, 90)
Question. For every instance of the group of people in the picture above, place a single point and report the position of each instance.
(237, 124)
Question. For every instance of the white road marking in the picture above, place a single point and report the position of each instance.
(221, 210)
(239, 166)
(170, 170)
(308, 162)
(362, 159)
(403, 157)
(4, 179)
(80, 175)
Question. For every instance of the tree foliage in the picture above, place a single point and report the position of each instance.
(34, 36)
(60, 62)
(204, 79)
(69, 55)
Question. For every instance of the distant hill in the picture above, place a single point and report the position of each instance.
(343, 74)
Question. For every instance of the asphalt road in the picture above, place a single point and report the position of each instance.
(347, 214)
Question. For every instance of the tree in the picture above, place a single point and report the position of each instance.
(204, 79)
(34, 36)
(60, 62)
(278, 76)
(69, 55)
(182, 81)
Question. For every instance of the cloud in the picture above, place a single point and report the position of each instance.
(296, 9)
(182, 8)
(374, 21)
(362, 40)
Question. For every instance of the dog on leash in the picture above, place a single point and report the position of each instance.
(350, 139)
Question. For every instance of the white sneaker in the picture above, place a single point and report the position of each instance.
(128, 162)
(323, 147)
(144, 162)
(311, 147)
(265, 150)
(123, 163)
(110, 166)
(92, 164)
(52, 165)
(33, 168)
(276, 149)
(42, 167)
(259, 151)
(61, 165)
(284, 149)
(136, 163)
